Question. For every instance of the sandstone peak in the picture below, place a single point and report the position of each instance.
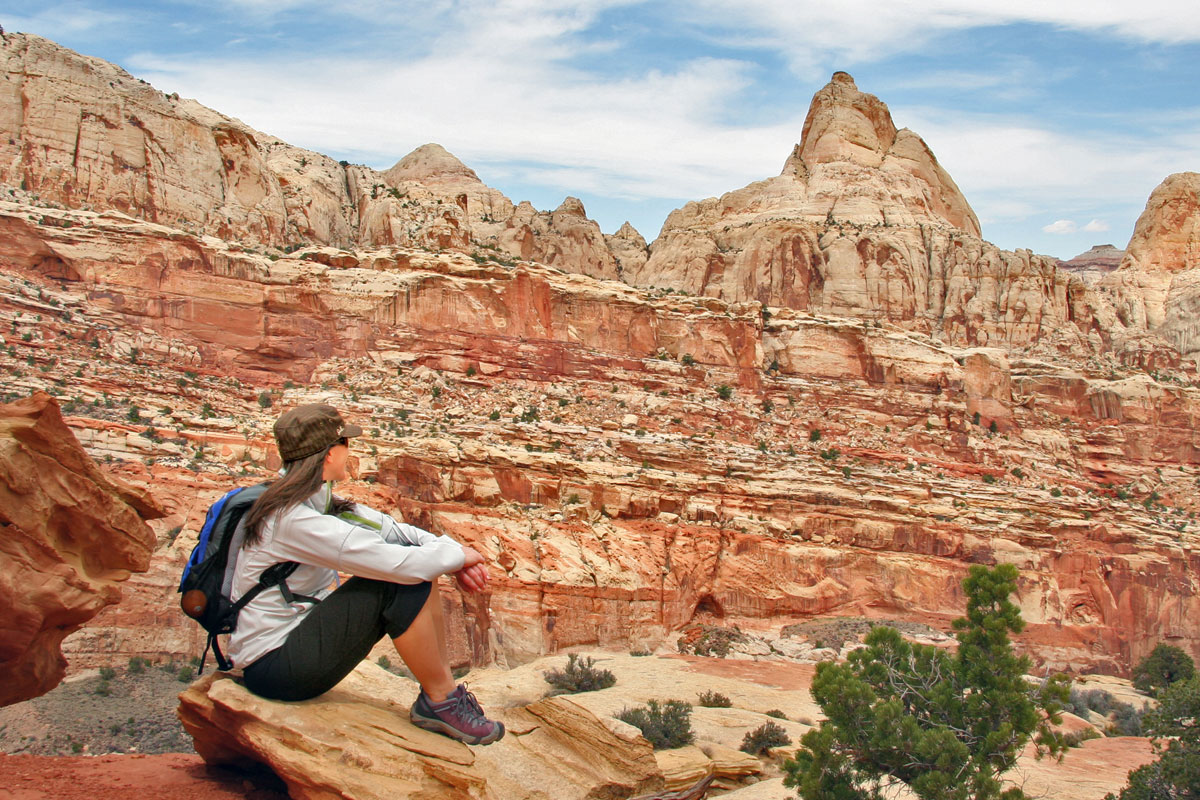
(627, 231)
(430, 161)
(571, 205)
(845, 124)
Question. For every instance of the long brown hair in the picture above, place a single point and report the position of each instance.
(301, 480)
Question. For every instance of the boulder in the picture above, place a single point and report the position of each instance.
(68, 536)
(356, 743)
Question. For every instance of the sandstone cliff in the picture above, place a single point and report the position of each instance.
(83, 133)
(68, 537)
(863, 222)
(1156, 289)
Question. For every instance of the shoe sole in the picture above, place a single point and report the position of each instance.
(437, 726)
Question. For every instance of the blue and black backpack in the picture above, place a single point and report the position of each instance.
(207, 581)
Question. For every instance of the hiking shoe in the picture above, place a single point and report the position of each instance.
(458, 716)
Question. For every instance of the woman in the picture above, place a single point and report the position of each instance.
(292, 647)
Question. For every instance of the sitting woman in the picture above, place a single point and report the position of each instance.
(300, 649)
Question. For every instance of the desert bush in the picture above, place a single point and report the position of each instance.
(185, 673)
(1076, 738)
(1128, 721)
(710, 699)
(764, 737)
(664, 725)
(776, 713)
(137, 665)
(1083, 700)
(1165, 665)
(107, 673)
(580, 675)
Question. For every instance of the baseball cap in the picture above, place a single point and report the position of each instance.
(309, 429)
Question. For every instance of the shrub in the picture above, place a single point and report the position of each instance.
(687, 360)
(580, 675)
(664, 725)
(1083, 701)
(814, 435)
(137, 664)
(264, 399)
(1127, 721)
(641, 652)
(764, 737)
(1176, 737)
(989, 478)
(776, 713)
(185, 673)
(107, 673)
(1165, 665)
(1076, 738)
(724, 391)
(384, 662)
(710, 699)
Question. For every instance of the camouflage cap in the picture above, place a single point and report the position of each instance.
(306, 430)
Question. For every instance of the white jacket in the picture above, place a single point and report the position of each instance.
(375, 546)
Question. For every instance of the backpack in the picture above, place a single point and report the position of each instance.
(207, 581)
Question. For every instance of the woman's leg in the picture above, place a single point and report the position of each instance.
(335, 636)
(423, 648)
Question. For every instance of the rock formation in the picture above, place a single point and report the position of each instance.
(863, 222)
(68, 537)
(1094, 264)
(1156, 290)
(83, 133)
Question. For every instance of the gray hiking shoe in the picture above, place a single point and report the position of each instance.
(458, 716)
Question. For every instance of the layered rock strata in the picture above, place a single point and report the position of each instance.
(68, 537)
(83, 133)
(633, 462)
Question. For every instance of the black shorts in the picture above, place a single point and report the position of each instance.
(334, 636)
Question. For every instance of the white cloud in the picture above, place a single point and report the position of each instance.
(1062, 226)
(1096, 226)
(810, 33)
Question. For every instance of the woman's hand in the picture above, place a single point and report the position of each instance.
(473, 577)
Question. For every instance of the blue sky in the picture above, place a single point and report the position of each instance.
(1056, 120)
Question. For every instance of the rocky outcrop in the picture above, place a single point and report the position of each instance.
(863, 222)
(68, 537)
(1156, 290)
(356, 743)
(83, 133)
(1094, 264)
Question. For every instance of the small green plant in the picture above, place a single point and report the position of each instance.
(185, 673)
(764, 737)
(975, 418)
(814, 435)
(989, 478)
(137, 665)
(709, 699)
(107, 673)
(776, 713)
(471, 371)
(264, 399)
(665, 725)
(724, 391)
(580, 675)
(641, 652)
(687, 360)
(384, 662)
(1056, 492)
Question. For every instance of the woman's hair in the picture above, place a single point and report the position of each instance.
(301, 480)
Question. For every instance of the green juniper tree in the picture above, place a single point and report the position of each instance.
(946, 724)
(1164, 666)
(1173, 726)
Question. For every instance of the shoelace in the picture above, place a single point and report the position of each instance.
(467, 706)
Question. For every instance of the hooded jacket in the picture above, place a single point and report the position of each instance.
(364, 542)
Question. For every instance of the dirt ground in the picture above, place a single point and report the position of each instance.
(171, 776)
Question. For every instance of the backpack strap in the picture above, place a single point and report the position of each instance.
(276, 575)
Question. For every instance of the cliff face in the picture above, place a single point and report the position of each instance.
(68, 537)
(1156, 289)
(85, 134)
(574, 430)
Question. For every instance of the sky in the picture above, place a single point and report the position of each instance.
(1056, 119)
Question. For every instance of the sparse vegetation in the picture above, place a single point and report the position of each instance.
(764, 737)
(710, 699)
(580, 675)
(665, 725)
